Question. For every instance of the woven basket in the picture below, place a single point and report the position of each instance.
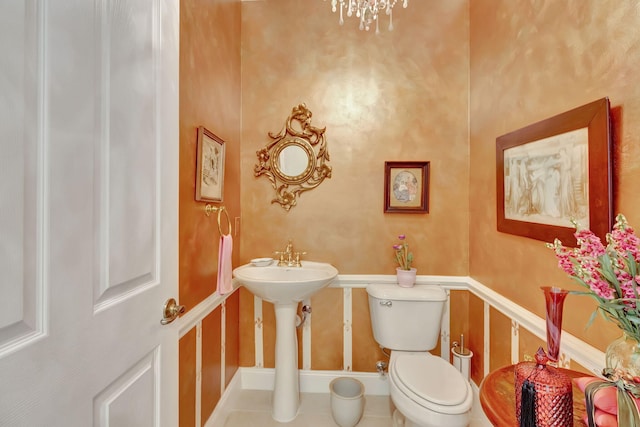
(553, 394)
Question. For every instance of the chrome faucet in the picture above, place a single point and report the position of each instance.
(289, 258)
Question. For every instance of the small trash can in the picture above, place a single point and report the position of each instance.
(347, 401)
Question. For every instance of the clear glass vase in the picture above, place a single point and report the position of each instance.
(624, 353)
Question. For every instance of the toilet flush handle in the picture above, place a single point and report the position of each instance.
(386, 303)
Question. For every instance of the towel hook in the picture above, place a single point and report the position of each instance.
(210, 208)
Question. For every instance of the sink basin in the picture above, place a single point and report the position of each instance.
(286, 284)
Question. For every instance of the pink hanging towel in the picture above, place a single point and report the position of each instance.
(224, 265)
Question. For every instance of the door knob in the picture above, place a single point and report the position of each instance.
(171, 311)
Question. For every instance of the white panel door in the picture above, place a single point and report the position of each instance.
(88, 214)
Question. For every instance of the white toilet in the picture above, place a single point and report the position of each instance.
(427, 390)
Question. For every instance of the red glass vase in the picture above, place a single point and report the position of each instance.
(554, 299)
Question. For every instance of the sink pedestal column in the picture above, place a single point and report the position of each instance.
(286, 393)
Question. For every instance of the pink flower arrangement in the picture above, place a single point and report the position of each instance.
(403, 256)
(609, 273)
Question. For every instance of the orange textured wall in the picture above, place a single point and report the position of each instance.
(403, 96)
(247, 331)
(500, 340)
(476, 337)
(400, 95)
(209, 97)
(459, 318)
(366, 352)
(530, 61)
(326, 345)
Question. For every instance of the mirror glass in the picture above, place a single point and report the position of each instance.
(293, 160)
(296, 160)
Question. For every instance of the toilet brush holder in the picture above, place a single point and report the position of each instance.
(462, 358)
(347, 401)
(462, 361)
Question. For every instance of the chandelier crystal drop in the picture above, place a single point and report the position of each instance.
(366, 11)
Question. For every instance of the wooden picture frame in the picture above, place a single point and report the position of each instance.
(406, 187)
(210, 166)
(555, 171)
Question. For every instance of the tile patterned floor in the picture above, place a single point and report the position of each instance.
(253, 408)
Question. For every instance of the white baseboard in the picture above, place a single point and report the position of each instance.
(313, 381)
(310, 382)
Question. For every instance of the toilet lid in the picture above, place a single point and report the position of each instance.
(430, 379)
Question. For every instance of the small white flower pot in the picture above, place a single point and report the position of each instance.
(406, 278)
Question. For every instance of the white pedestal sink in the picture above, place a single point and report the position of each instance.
(285, 287)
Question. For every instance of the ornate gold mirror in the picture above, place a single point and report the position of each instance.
(295, 160)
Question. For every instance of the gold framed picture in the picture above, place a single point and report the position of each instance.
(210, 166)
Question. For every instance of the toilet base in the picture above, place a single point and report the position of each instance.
(400, 420)
(427, 419)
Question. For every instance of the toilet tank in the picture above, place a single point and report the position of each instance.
(406, 319)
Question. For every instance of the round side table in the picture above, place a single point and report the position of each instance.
(498, 400)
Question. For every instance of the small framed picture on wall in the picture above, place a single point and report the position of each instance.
(406, 187)
(210, 166)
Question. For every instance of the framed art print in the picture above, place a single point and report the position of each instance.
(210, 166)
(406, 187)
(554, 172)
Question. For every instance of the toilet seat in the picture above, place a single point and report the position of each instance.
(431, 382)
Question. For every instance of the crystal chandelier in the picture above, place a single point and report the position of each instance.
(366, 11)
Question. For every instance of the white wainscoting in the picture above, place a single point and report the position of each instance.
(193, 319)
(572, 348)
